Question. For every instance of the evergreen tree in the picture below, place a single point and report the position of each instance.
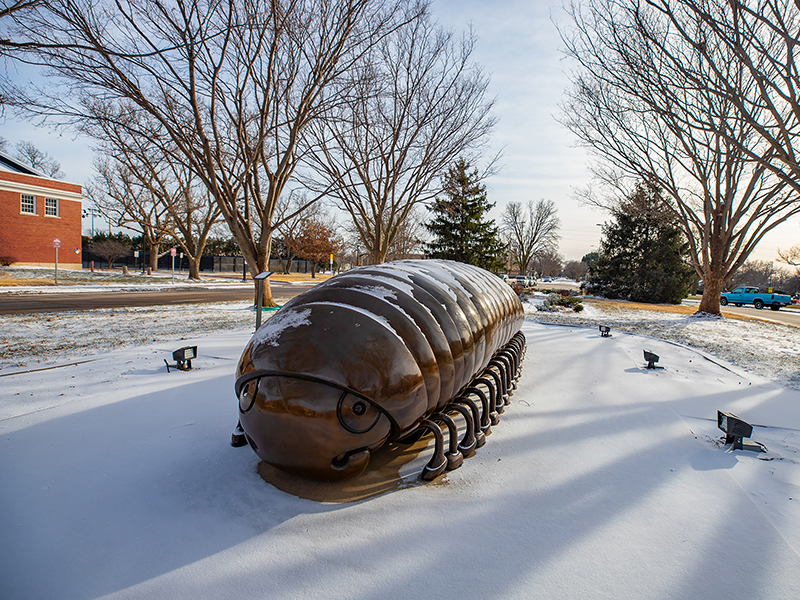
(459, 226)
(643, 256)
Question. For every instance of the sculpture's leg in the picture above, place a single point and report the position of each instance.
(497, 403)
(438, 463)
(468, 442)
(480, 437)
(454, 457)
(237, 438)
(486, 426)
(501, 367)
(509, 371)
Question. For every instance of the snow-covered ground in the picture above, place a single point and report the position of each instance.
(602, 480)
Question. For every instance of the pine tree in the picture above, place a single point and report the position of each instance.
(643, 256)
(459, 226)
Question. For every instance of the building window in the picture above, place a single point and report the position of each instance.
(28, 204)
(51, 207)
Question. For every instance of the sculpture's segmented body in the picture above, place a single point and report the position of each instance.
(380, 353)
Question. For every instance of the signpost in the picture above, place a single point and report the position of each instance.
(172, 253)
(260, 278)
(56, 246)
(331, 264)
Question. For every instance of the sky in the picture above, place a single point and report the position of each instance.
(519, 47)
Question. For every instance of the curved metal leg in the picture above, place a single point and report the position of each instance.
(480, 437)
(468, 442)
(508, 355)
(501, 366)
(498, 404)
(493, 414)
(511, 352)
(438, 463)
(509, 374)
(486, 426)
(454, 457)
(238, 438)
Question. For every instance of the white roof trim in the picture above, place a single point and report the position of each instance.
(38, 190)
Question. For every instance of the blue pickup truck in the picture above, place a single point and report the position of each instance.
(752, 295)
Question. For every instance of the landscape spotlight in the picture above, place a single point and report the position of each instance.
(735, 429)
(651, 359)
(183, 358)
(605, 331)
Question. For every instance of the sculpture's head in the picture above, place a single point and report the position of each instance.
(316, 401)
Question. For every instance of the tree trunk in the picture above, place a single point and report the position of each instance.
(194, 267)
(262, 265)
(712, 288)
(153, 266)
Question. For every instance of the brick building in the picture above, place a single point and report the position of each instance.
(35, 210)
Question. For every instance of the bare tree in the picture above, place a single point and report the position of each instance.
(152, 189)
(415, 105)
(790, 256)
(760, 38)
(232, 86)
(408, 239)
(530, 233)
(575, 269)
(120, 199)
(39, 160)
(110, 249)
(643, 102)
(8, 7)
(548, 264)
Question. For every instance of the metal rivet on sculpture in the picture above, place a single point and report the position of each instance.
(381, 354)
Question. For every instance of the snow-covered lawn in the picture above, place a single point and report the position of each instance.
(602, 480)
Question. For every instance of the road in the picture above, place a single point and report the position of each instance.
(787, 316)
(55, 302)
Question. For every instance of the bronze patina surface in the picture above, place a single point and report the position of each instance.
(380, 354)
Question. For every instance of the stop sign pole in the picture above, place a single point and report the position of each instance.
(56, 246)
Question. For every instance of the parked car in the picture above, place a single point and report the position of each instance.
(524, 281)
(752, 295)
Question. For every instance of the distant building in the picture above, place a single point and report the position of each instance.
(34, 211)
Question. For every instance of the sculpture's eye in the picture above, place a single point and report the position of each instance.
(247, 396)
(355, 414)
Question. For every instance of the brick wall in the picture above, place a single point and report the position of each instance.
(27, 239)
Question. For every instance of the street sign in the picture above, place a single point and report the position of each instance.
(173, 252)
(56, 243)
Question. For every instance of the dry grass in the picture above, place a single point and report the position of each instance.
(115, 277)
(668, 308)
(10, 281)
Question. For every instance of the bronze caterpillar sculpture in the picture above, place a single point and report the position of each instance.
(380, 354)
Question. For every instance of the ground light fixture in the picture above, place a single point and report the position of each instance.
(651, 359)
(735, 430)
(183, 358)
(605, 331)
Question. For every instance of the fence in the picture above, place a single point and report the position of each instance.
(208, 264)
